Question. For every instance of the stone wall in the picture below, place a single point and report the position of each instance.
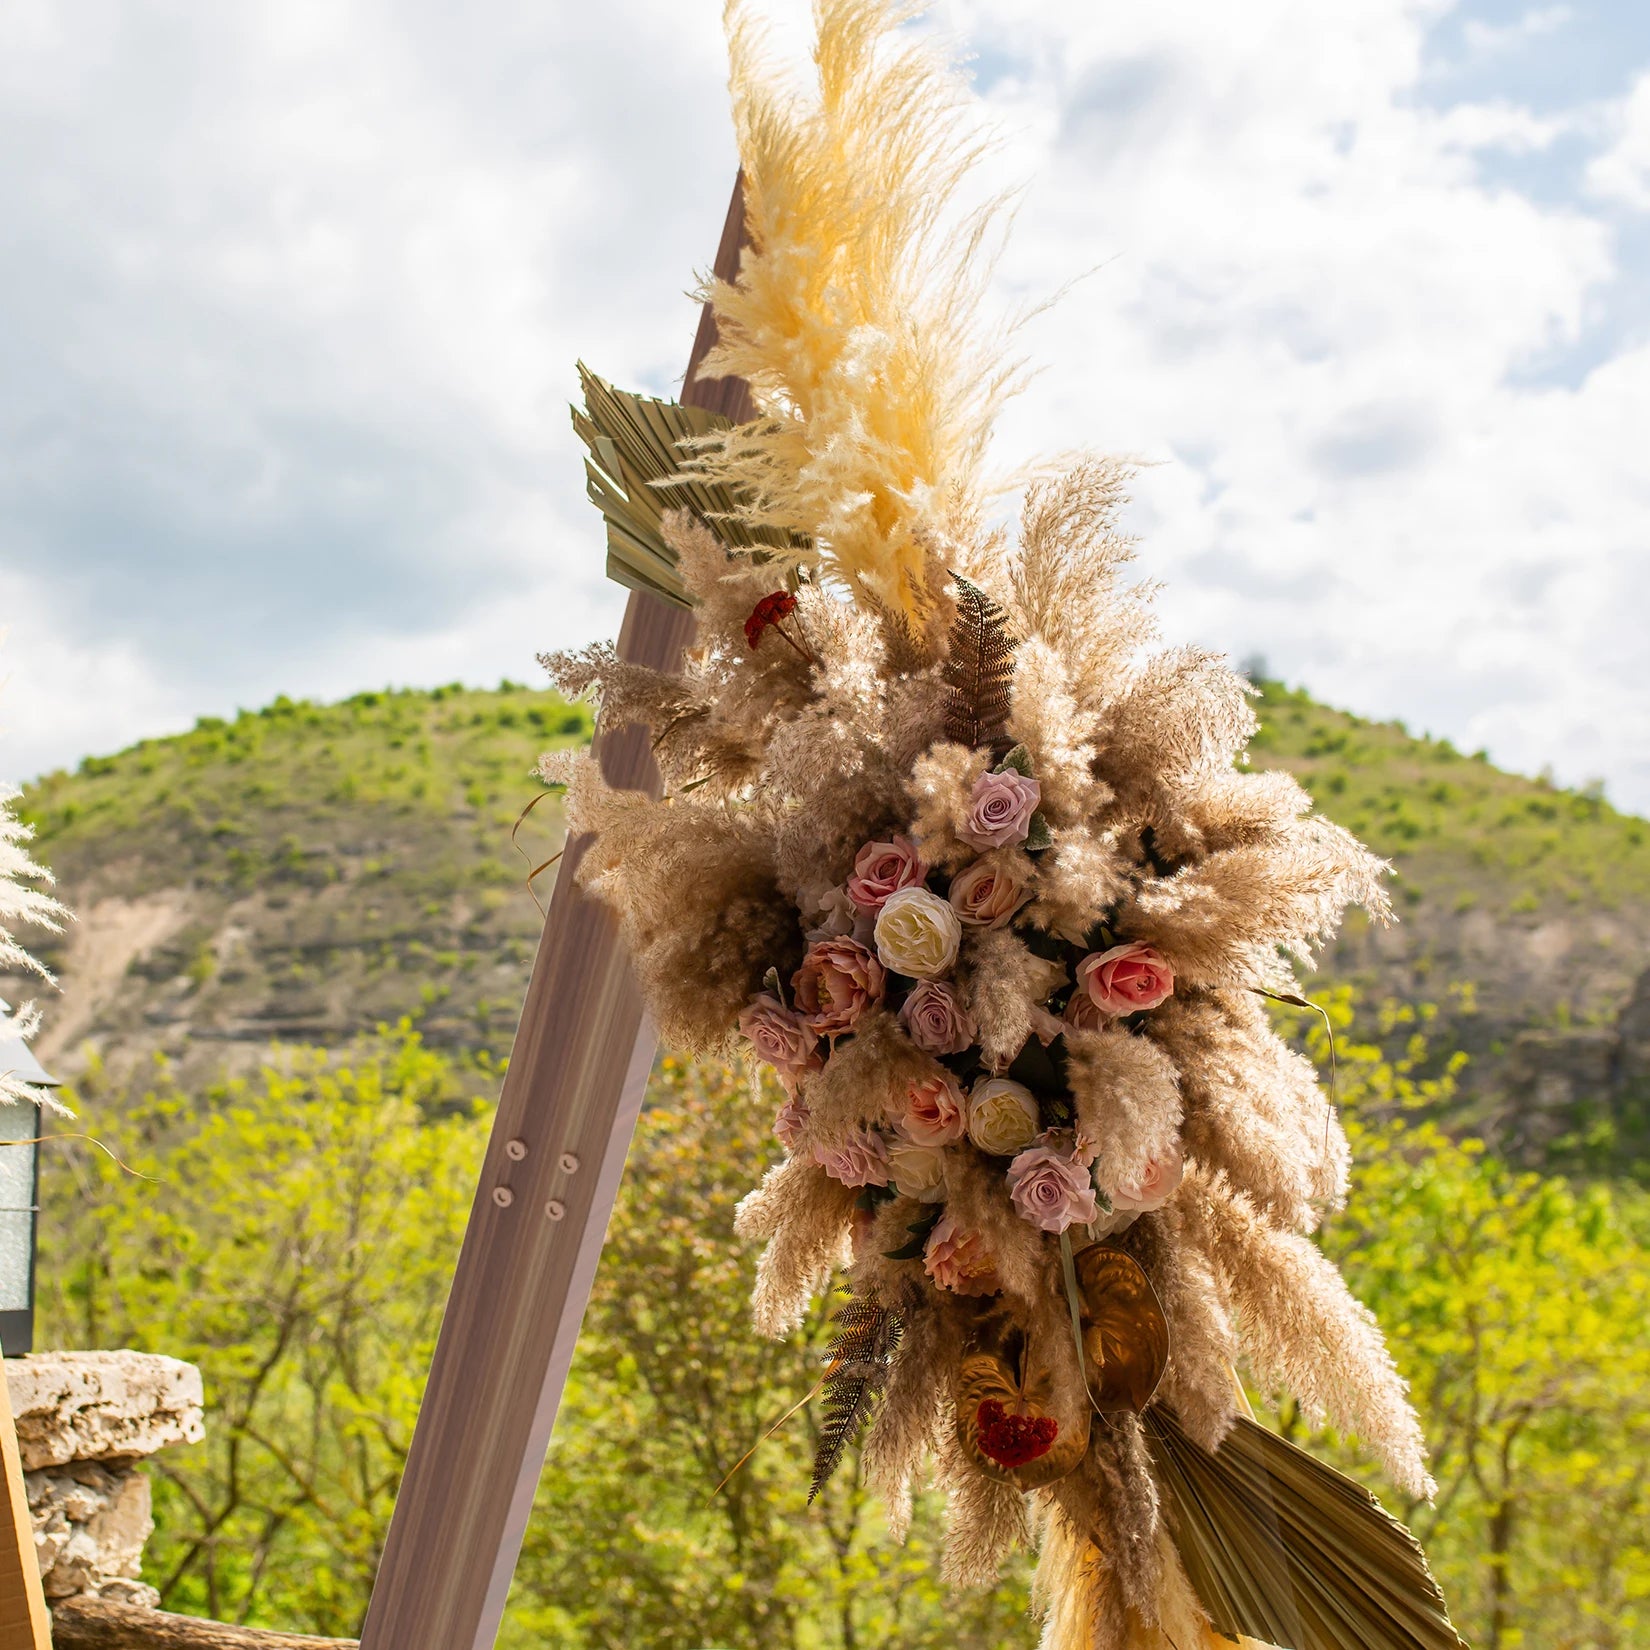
(85, 1421)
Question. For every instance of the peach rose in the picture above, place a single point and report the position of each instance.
(917, 1171)
(1127, 978)
(861, 1159)
(959, 1261)
(935, 1021)
(1051, 1188)
(1157, 1183)
(883, 868)
(999, 810)
(986, 894)
(778, 1036)
(838, 983)
(934, 1114)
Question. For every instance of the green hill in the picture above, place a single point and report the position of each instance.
(304, 871)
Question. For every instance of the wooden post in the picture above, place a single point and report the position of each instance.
(24, 1623)
(569, 1105)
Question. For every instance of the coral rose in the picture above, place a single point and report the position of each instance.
(1127, 978)
(861, 1159)
(1157, 1183)
(838, 983)
(1002, 1116)
(959, 1261)
(790, 1121)
(935, 1021)
(1051, 1188)
(934, 1113)
(999, 810)
(778, 1036)
(883, 868)
(986, 894)
(917, 933)
(917, 1171)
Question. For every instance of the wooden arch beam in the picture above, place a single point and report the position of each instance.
(568, 1108)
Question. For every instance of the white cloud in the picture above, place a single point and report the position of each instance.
(304, 284)
(1622, 172)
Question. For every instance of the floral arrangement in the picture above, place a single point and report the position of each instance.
(981, 875)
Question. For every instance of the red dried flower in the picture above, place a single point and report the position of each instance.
(1013, 1440)
(770, 610)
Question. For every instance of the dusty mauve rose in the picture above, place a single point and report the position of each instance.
(935, 1021)
(986, 894)
(778, 1036)
(839, 980)
(999, 810)
(861, 1159)
(788, 1124)
(1051, 1188)
(934, 1114)
(1082, 1014)
(917, 1171)
(883, 868)
(959, 1261)
(1158, 1182)
(917, 933)
(1002, 1116)
(1127, 978)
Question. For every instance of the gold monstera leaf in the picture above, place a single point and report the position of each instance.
(1125, 1334)
(1013, 1417)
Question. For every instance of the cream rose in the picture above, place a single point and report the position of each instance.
(917, 1171)
(935, 1021)
(1002, 1116)
(987, 893)
(1156, 1184)
(917, 934)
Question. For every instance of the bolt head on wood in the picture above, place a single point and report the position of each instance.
(503, 1196)
(569, 1163)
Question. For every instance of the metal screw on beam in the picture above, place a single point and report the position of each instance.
(555, 1208)
(516, 1150)
(503, 1196)
(569, 1163)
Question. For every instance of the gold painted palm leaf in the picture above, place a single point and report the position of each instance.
(1282, 1548)
(633, 475)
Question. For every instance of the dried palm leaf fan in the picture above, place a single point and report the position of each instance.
(974, 870)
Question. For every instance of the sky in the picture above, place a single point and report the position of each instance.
(293, 292)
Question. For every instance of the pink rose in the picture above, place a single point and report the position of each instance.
(1000, 809)
(934, 1114)
(1051, 1189)
(778, 1036)
(1158, 1182)
(986, 894)
(859, 1160)
(792, 1119)
(839, 980)
(1127, 978)
(935, 1021)
(1081, 1013)
(883, 868)
(958, 1260)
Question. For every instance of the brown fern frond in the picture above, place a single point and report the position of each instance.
(858, 1360)
(979, 670)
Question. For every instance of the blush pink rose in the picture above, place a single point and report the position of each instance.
(934, 1113)
(1051, 1189)
(1081, 1013)
(790, 1122)
(935, 1021)
(1157, 1183)
(1127, 978)
(883, 868)
(1000, 809)
(838, 983)
(986, 894)
(959, 1261)
(861, 1159)
(778, 1036)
